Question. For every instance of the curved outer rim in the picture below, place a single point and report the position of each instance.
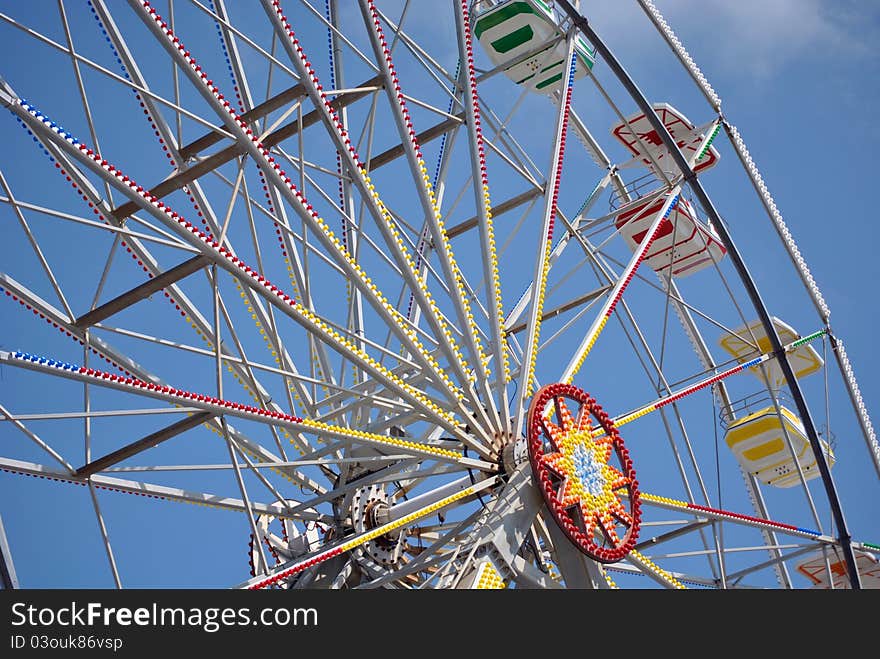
(641, 100)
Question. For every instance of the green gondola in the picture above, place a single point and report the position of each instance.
(511, 29)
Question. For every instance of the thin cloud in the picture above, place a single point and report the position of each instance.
(757, 37)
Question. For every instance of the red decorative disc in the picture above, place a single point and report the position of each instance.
(584, 472)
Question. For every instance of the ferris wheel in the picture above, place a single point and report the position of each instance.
(424, 295)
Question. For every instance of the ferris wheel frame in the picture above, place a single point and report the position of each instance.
(487, 430)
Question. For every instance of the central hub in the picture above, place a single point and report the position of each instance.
(584, 472)
(370, 510)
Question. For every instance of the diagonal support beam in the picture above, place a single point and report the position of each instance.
(138, 293)
(670, 535)
(503, 207)
(214, 161)
(7, 569)
(151, 440)
(581, 299)
(423, 138)
(258, 112)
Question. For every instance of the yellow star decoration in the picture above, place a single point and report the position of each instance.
(588, 481)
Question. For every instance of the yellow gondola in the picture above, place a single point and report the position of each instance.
(759, 443)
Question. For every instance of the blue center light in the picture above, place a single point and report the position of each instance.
(588, 470)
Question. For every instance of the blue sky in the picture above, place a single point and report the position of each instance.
(798, 78)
